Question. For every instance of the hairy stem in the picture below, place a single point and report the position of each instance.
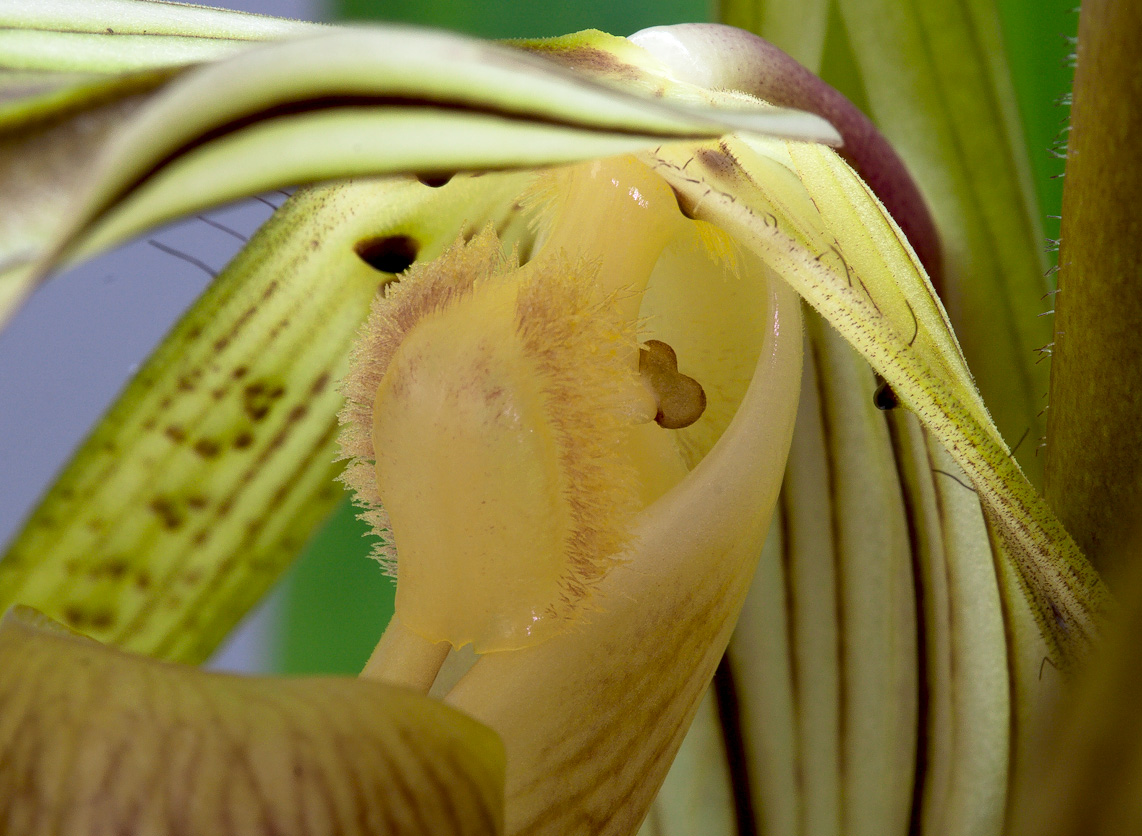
(1094, 450)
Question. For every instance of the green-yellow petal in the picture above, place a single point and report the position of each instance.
(98, 741)
(819, 226)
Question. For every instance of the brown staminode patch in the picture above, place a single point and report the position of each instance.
(427, 288)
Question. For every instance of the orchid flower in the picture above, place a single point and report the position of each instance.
(556, 306)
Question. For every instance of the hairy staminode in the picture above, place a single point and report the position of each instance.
(502, 402)
(503, 423)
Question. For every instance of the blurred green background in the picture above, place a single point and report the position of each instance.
(337, 601)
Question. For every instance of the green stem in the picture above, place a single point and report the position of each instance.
(1094, 431)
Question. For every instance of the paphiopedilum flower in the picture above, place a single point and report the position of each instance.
(214, 465)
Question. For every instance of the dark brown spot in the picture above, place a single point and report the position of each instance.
(102, 619)
(208, 448)
(279, 496)
(114, 569)
(277, 329)
(320, 384)
(298, 412)
(196, 501)
(258, 397)
(74, 615)
(143, 580)
(434, 181)
(175, 433)
(239, 372)
(243, 440)
(167, 511)
(388, 254)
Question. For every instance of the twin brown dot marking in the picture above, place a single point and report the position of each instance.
(681, 399)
